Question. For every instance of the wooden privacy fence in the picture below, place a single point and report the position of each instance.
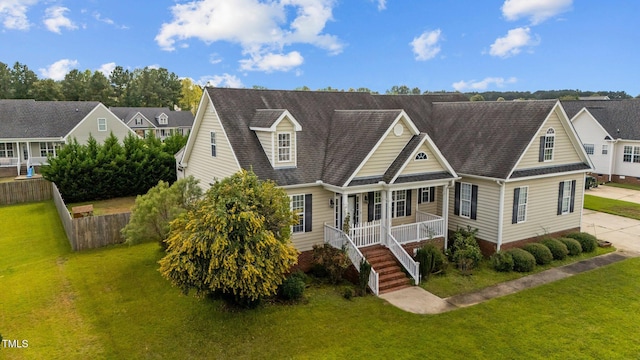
(16, 192)
(92, 231)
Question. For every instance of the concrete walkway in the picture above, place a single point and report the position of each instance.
(419, 301)
(622, 232)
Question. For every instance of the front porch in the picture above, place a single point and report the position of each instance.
(21, 155)
(396, 220)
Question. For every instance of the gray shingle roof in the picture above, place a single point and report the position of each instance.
(22, 119)
(265, 118)
(339, 129)
(411, 146)
(549, 170)
(174, 118)
(620, 118)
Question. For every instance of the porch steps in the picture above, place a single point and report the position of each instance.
(391, 276)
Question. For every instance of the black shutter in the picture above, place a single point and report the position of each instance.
(408, 203)
(420, 190)
(307, 213)
(370, 206)
(573, 195)
(474, 201)
(456, 203)
(516, 200)
(541, 155)
(432, 194)
(560, 193)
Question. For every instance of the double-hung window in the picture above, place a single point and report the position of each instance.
(213, 144)
(631, 154)
(549, 143)
(6, 150)
(377, 205)
(520, 201)
(48, 148)
(297, 207)
(605, 149)
(399, 204)
(465, 200)
(566, 197)
(284, 147)
(426, 195)
(102, 124)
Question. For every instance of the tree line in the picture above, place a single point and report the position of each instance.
(147, 87)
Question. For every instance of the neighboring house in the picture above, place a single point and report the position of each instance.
(406, 169)
(31, 130)
(161, 122)
(610, 133)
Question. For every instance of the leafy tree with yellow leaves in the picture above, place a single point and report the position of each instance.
(236, 241)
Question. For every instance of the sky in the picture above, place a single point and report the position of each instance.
(435, 45)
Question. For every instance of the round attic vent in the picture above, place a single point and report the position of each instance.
(398, 130)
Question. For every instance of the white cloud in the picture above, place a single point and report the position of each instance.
(59, 69)
(536, 10)
(483, 84)
(224, 80)
(55, 19)
(215, 58)
(107, 68)
(13, 13)
(513, 42)
(426, 46)
(260, 27)
(272, 62)
(108, 21)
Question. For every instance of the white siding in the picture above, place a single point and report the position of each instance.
(563, 151)
(542, 208)
(321, 214)
(487, 211)
(422, 166)
(386, 153)
(625, 168)
(590, 132)
(201, 164)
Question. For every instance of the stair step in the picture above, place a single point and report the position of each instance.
(386, 278)
(384, 264)
(394, 285)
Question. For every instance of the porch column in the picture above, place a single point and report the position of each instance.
(445, 213)
(345, 209)
(18, 155)
(383, 216)
(388, 214)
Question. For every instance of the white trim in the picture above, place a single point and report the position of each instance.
(500, 214)
(290, 147)
(526, 205)
(470, 200)
(553, 145)
(437, 154)
(272, 128)
(301, 214)
(585, 110)
(105, 124)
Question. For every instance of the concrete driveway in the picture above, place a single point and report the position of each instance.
(622, 232)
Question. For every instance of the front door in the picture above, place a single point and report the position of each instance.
(353, 208)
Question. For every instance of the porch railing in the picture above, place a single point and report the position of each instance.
(418, 231)
(365, 234)
(405, 259)
(422, 216)
(338, 239)
(37, 160)
(8, 161)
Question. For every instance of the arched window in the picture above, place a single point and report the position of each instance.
(549, 143)
(422, 156)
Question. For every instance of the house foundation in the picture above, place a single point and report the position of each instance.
(488, 248)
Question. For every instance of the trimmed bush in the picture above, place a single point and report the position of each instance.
(363, 277)
(522, 260)
(588, 242)
(293, 286)
(572, 245)
(334, 261)
(557, 248)
(502, 261)
(541, 253)
(431, 260)
(465, 251)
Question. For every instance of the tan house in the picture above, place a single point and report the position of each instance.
(32, 130)
(402, 169)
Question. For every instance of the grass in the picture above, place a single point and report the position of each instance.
(624, 186)
(110, 206)
(612, 206)
(112, 303)
(454, 282)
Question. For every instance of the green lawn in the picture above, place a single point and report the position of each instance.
(623, 186)
(112, 303)
(612, 206)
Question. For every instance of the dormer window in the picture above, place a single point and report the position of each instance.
(138, 121)
(421, 156)
(162, 119)
(284, 147)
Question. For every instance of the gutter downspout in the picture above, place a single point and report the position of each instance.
(500, 214)
(612, 158)
(445, 211)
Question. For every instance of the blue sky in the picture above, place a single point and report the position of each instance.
(488, 45)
